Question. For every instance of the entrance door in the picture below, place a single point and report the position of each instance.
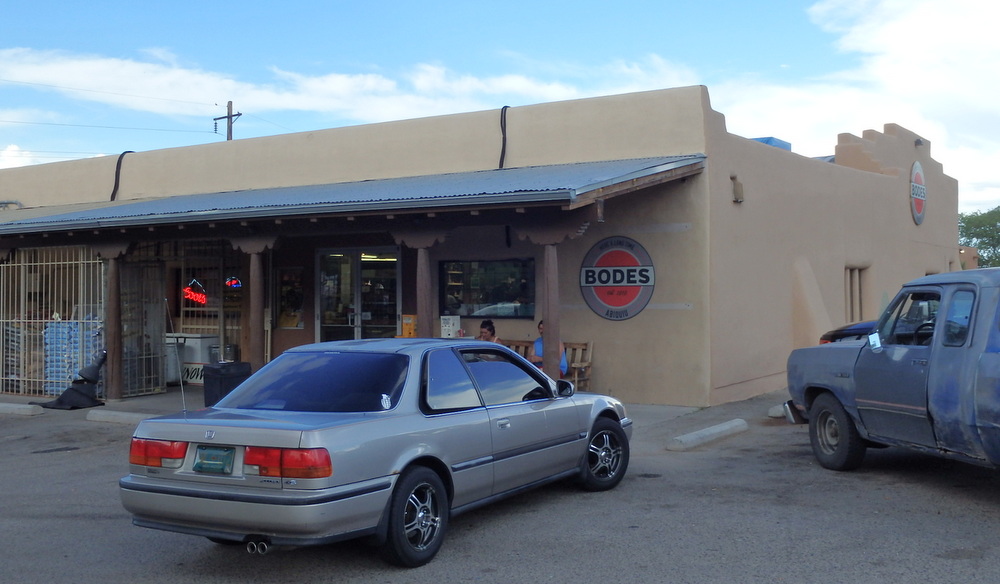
(358, 294)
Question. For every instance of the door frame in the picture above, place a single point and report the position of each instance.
(355, 257)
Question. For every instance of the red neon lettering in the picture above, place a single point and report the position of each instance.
(199, 297)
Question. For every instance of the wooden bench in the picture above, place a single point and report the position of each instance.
(577, 357)
(522, 348)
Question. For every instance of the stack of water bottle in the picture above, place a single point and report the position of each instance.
(69, 346)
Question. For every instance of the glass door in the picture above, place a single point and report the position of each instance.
(379, 294)
(358, 296)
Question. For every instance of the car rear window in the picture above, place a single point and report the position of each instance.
(323, 382)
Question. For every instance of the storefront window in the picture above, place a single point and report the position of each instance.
(490, 289)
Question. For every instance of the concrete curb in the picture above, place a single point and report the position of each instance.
(21, 409)
(777, 411)
(117, 417)
(706, 435)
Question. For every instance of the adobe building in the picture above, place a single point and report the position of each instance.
(692, 259)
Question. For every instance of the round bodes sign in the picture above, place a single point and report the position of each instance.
(918, 193)
(617, 278)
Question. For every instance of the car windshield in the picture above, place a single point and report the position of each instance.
(323, 382)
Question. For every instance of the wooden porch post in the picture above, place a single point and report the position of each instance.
(550, 310)
(256, 320)
(425, 328)
(113, 332)
(422, 242)
(549, 234)
(255, 248)
(114, 378)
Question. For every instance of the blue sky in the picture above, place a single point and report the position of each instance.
(86, 79)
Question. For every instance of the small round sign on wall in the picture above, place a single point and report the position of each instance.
(918, 193)
(617, 278)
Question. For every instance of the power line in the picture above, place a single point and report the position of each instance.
(270, 122)
(34, 152)
(64, 88)
(105, 127)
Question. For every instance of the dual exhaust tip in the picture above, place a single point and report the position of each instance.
(258, 546)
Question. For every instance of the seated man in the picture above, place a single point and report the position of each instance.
(536, 355)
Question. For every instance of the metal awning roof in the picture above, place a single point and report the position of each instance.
(568, 185)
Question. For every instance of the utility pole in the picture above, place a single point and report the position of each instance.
(230, 117)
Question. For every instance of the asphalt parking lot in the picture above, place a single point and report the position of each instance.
(750, 507)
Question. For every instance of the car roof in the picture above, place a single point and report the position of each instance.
(984, 278)
(404, 345)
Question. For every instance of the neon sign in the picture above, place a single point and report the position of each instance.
(233, 282)
(195, 292)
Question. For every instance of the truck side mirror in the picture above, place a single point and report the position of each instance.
(875, 342)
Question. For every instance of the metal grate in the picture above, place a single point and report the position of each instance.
(52, 311)
(51, 317)
(186, 306)
(143, 320)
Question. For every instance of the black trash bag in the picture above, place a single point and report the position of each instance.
(82, 393)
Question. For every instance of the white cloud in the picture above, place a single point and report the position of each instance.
(12, 156)
(124, 83)
(925, 65)
(162, 86)
(930, 62)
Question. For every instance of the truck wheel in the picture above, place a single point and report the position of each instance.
(835, 440)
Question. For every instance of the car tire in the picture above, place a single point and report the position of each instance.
(835, 440)
(607, 456)
(418, 518)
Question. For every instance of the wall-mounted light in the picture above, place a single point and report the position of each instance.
(918, 142)
(737, 189)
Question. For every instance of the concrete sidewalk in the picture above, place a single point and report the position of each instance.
(679, 427)
(122, 411)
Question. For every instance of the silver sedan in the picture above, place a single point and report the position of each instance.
(379, 438)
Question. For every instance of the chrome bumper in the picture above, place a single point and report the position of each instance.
(792, 413)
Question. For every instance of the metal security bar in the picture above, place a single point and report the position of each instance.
(51, 318)
(143, 321)
(186, 299)
(212, 305)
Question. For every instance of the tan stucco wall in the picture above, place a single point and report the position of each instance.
(778, 259)
(738, 285)
(664, 350)
(629, 126)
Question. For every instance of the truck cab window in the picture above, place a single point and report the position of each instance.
(956, 325)
(913, 319)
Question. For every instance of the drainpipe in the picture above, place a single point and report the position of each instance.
(118, 174)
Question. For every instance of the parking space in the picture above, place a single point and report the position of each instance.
(753, 507)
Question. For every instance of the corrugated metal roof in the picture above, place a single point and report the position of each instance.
(560, 184)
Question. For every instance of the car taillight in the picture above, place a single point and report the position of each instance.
(298, 463)
(163, 453)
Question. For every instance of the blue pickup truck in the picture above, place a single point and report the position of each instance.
(927, 378)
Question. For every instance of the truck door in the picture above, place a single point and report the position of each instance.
(891, 381)
(951, 379)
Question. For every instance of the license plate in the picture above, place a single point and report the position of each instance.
(214, 459)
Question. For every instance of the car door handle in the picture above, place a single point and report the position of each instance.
(919, 362)
(503, 423)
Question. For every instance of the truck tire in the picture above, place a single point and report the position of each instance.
(835, 440)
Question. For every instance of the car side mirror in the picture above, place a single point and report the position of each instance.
(564, 388)
(875, 342)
